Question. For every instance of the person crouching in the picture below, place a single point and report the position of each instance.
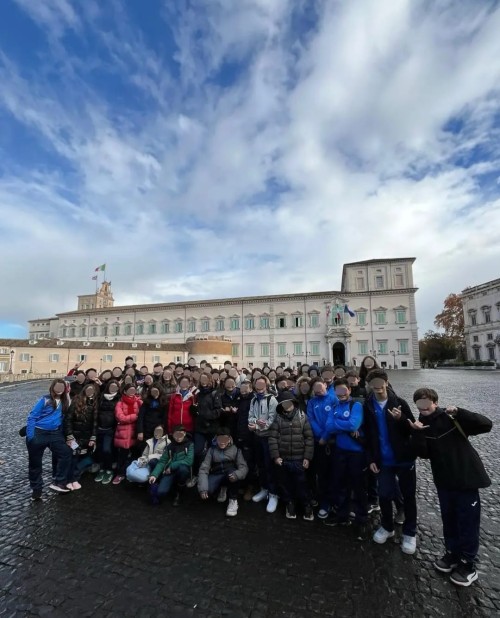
(223, 469)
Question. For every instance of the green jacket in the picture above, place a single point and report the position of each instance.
(175, 455)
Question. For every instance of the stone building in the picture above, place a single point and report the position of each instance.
(481, 306)
(373, 313)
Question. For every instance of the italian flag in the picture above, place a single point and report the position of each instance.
(101, 267)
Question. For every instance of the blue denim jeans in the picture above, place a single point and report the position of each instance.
(177, 478)
(216, 481)
(53, 440)
(265, 464)
(292, 482)
(388, 479)
(104, 448)
(79, 463)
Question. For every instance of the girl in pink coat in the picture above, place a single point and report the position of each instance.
(126, 413)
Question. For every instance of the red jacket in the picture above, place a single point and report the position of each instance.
(179, 412)
(126, 412)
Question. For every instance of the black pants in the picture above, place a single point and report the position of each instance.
(292, 482)
(389, 478)
(247, 448)
(461, 515)
(349, 481)
(53, 440)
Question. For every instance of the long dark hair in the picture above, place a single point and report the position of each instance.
(80, 401)
(64, 397)
(162, 397)
(363, 371)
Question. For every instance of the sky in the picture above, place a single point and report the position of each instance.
(210, 149)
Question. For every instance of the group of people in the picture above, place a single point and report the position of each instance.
(327, 441)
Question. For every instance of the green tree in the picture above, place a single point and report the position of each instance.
(437, 347)
(451, 320)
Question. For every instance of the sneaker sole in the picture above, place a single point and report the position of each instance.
(322, 516)
(60, 490)
(409, 553)
(445, 569)
(308, 518)
(382, 541)
(291, 516)
(464, 584)
(231, 514)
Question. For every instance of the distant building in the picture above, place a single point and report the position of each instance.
(286, 329)
(481, 306)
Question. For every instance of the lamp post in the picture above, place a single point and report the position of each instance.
(393, 358)
(11, 359)
(31, 364)
(100, 365)
(289, 356)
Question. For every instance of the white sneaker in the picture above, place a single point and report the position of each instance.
(192, 481)
(232, 508)
(382, 535)
(409, 544)
(222, 494)
(323, 513)
(262, 495)
(76, 485)
(272, 505)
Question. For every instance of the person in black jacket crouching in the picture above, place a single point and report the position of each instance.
(441, 435)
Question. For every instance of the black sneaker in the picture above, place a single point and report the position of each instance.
(447, 563)
(36, 495)
(464, 574)
(373, 508)
(290, 511)
(177, 500)
(308, 513)
(399, 517)
(361, 532)
(60, 488)
(333, 520)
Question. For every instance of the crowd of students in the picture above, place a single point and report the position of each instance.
(327, 441)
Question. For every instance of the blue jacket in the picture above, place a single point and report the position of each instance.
(44, 416)
(318, 410)
(345, 418)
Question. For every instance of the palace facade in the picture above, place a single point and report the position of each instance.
(373, 313)
(481, 306)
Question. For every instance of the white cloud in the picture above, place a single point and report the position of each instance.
(181, 201)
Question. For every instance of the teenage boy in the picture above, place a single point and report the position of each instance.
(458, 472)
(319, 408)
(392, 457)
(328, 376)
(291, 444)
(349, 460)
(357, 392)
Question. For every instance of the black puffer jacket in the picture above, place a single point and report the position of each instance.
(207, 410)
(291, 436)
(152, 413)
(229, 419)
(81, 426)
(106, 412)
(454, 461)
(242, 431)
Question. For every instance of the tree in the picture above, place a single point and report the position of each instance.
(436, 347)
(451, 319)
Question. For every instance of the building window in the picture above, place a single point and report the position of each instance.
(116, 330)
(401, 316)
(105, 331)
(205, 326)
(72, 332)
(107, 358)
(298, 321)
(264, 349)
(281, 349)
(165, 327)
(249, 349)
(3, 367)
(473, 319)
(155, 359)
(82, 358)
(83, 331)
(475, 338)
(379, 282)
(235, 325)
(93, 331)
(297, 348)
(313, 320)
(489, 336)
(477, 354)
(314, 348)
(128, 329)
(281, 322)
(403, 346)
(361, 318)
(54, 358)
(360, 283)
(491, 353)
(264, 323)
(487, 317)
(380, 317)
(178, 327)
(404, 363)
(398, 281)
(235, 349)
(140, 329)
(23, 357)
(64, 332)
(191, 326)
(249, 324)
(219, 324)
(382, 347)
(152, 329)
(363, 348)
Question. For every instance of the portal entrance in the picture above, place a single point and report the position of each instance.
(338, 350)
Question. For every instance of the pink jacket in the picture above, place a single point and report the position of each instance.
(126, 412)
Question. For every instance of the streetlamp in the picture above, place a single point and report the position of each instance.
(289, 356)
(11, 359)
(31, 364)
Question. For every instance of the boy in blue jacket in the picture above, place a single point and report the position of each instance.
(349, 459)
(318, 409)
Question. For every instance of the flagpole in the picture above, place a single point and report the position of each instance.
(96, 285)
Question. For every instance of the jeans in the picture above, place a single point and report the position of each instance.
(349, 474)
(247, 448)
(122, 455)
(177, 478)
(388, 479)
(461, 515)
(216, 481)
(292, 482)
(201, 442)
(79, 463)
(104, 448)
(54, 440)
(265, 464)
(321, 474)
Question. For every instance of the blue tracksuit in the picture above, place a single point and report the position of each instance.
(44, 416)
(345, 418)
(318, 410)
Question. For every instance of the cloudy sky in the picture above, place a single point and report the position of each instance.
(219, 148)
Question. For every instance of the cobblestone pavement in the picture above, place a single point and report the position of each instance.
(104, 551)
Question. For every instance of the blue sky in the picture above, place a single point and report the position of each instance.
(207, 149)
